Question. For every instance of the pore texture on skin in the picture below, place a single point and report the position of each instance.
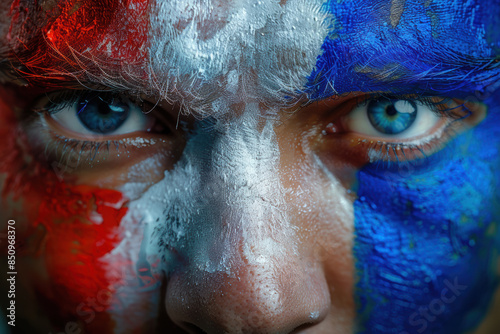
(423, 233)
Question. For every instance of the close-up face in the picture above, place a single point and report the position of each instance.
(271, 166)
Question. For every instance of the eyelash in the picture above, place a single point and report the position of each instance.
(66, 98)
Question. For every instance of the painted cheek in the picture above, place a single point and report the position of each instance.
(427, 239)
(82, 225)
(72, 228)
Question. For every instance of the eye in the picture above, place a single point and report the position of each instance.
(393, 118)
(98, 114)
(91, 134)
(358, 128)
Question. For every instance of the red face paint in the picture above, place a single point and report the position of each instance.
(126, 41)
(76, 35)
(74, 245)
(76, 227)
(73, 227)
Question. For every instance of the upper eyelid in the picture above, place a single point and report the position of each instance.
(78, 89)
(66, 97)
(443, 106)
(17, 74)
(63, 99)
(336, 107)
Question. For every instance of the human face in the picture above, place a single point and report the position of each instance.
(251, 166)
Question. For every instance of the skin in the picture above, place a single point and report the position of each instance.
(270, 213)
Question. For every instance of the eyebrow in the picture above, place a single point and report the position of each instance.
(348, 63)
(458, 78)
(47, 38)
(54, 42)
(436, 46)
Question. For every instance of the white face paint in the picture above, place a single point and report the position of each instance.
(218, 53)
(225, 191)
(226, 180)
(221, 58)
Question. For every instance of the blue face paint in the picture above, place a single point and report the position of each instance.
(427, 244)
(426, 239)
(408, 47)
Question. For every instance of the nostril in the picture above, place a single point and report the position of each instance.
(314, 319)
(302, 327)
(192, 329)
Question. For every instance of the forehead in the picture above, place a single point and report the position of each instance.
(434, 45)
(269, 48)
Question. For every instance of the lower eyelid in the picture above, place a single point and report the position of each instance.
(95, 159)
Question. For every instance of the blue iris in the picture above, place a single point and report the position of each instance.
(391, 116)
(102, 115)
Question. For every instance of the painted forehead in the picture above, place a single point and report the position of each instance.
(265, 50)
(415, 45)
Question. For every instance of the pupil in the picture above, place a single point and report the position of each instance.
(103, 108)
(391, 110)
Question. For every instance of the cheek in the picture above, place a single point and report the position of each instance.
(426, 240)
(81, 225)
(65, 234)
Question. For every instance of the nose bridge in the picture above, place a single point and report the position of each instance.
(243, 196)
(244, 272)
